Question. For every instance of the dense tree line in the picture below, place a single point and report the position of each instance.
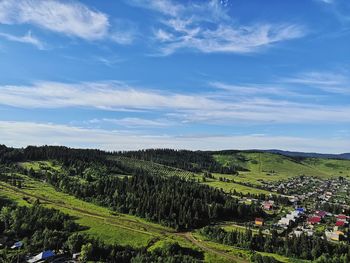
(60, 153)
(39, 228)
(194, 161)
(333, 208)
(303, 247)
(42, 229)
(170, 201)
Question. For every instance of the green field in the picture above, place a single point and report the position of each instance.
(112, 227)
(229, 186)
(214, 182)
(102, 223)
(261, 167)
(275, 167)
(243, 255)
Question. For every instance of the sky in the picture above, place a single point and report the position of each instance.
(189, 74)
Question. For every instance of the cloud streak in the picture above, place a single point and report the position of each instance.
(27, 38)
(206, 27)
(326, 81)
(65, 17)
(201, 107)
(20, 134)
(132, 122)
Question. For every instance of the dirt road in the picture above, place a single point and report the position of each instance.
(111, 220)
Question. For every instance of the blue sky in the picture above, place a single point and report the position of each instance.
(229, 74)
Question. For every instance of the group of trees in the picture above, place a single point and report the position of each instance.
(38, 227)
(42, 229)
(170, 201)
(194, 161)
(333, 208)
(303, 247)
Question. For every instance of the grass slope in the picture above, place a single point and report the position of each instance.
(274, 167)
(101, 222)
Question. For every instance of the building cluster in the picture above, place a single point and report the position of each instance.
(307, 195)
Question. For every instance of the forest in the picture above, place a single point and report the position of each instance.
(303, 247)
(41, 229)
(197, 161)
(170, 201)
(184, 204)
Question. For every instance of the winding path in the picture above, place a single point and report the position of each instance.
(110, 220)
(189, 236)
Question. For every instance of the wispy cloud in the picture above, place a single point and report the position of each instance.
(167, 7)
(132, 122)
(340, 8)
(27, 38)
(109, 95)
(207, 27)
(254, 89)
(199, 107)
(326, 1)
(65, 17)
(225, 38)
(29, 133)
(326, 81)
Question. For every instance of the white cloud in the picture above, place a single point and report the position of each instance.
(327, 1)
(206, 27)
(21, 134)
(167, 7)
(326, 81)
(163, 35)
(65, 17)
(200, 107)
(70, 18)
(226, 38)
(135, 122)
(27, 38)
(112, 96)
(253, 89)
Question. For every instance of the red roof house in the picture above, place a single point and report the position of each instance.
(340, 223)
(267, 206)
(314, 220)
(341, 217)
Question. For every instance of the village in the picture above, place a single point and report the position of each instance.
(317, 207)
(44, 256)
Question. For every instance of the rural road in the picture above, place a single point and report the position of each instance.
(189, 236)
(109, 220)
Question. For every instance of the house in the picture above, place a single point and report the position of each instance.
(342, 217)
(296, 233)
(300, 209)
(308, 232)
(314, 220)
(259, 221)
(290, 216)
(296, 214)
(18, 244)
(267, 205)
(321, 214)
(341, 223)
(285, 222)
(336, 236)
(76, 255)
(42, 256)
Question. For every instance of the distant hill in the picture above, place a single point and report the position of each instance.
(343, 156)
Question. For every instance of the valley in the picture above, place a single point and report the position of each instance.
(256, 182)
